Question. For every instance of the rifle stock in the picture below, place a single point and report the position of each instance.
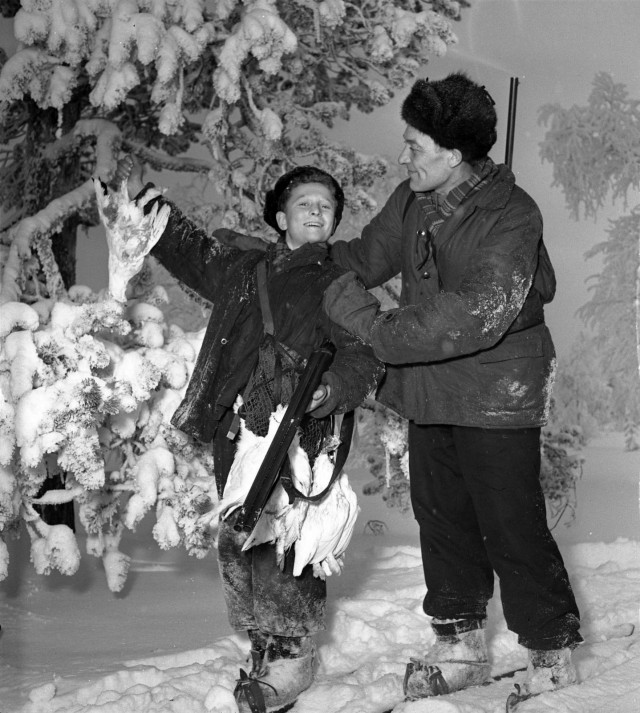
(269, 471)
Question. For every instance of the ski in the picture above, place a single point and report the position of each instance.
(516, 697)
(494, 679)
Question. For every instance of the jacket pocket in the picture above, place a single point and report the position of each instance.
(514, 346)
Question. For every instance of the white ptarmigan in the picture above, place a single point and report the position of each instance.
(319, 531)
(130, 233)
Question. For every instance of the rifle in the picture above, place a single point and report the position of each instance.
(269, 471)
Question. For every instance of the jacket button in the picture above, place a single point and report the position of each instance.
(426, 275)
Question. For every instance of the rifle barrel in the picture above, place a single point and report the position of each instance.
(511, 120)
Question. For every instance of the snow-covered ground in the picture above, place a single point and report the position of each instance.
(163, 644)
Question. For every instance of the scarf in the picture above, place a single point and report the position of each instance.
(436, 208)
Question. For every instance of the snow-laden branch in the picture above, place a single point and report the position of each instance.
(58, 497)
(161, 160)
(49, 220)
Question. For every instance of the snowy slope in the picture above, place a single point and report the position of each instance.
(69, 645)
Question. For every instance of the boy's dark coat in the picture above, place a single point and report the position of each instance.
(226, 277)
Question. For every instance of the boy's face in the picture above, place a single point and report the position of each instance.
(309, 215)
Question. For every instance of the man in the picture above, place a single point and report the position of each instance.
(470, 365)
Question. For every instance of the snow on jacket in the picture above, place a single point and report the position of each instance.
(226, 277)
(468, 344)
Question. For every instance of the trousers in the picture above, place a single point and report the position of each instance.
(477, 498)
(258, 593)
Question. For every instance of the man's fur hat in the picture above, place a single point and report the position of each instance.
(455, 112)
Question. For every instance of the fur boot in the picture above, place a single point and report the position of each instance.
(457, 660)
(548, 670)
(282, 668)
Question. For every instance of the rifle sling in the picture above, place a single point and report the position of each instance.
(269, 329)
(346, 431)
(263, 295)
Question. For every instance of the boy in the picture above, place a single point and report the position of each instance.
(255, 345)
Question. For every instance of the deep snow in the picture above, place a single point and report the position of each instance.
(163, 644)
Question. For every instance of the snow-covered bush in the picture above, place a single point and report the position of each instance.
(89, 390)
(383, 448)
(561, 469)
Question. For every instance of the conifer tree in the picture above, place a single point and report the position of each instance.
(595, 153)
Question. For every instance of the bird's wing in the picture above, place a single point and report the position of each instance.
(250, 453)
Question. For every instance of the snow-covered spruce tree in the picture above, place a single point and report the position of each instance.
(595, 152)
(631, 436)
(235, 91)
(612, 313)
(582, 393)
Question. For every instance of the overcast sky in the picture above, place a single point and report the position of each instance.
(555, 48)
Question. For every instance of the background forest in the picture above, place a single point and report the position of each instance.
(218, 98)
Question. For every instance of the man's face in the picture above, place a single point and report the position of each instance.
(428, 165)
(309, 215)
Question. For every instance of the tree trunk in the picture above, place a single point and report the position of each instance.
(64, 251)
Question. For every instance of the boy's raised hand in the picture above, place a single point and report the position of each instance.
(129, 171)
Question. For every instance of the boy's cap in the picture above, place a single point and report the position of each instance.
(455, 112)
(276, 198)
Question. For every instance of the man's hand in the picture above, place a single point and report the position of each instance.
(348, 304)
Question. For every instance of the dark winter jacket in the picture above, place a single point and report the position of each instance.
(226, 277)
(468, 344)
